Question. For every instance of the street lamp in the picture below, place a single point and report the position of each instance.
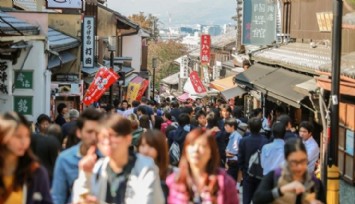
(154, 65)
(111, 45)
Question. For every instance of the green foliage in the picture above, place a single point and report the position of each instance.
(166, 53)
(147, 22)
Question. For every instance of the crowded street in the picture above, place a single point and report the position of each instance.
(177, 101)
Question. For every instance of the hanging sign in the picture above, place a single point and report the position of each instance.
(88, 42)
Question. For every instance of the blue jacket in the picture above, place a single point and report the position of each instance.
(65, 173)
(248, 146)
(37, 188)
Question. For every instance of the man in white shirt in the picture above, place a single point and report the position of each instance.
(305, 131)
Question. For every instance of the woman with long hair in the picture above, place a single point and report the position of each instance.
(199, 178)
(292, 183)
(153, 144)
(22, 179)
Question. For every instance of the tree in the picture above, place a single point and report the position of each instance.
(148, 22)
(165, 52)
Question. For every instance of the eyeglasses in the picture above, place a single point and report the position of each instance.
(294, 163)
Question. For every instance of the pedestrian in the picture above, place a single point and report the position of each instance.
(43, 121)
(201, 119)
(153, 144)
(248, 146)
(292, 183)
(121, 176)
(167, 121)
(61, 110)
(290, 131)
(22, 178)
(272, 154)
(66, 166)
(69, 128)
(305, 131)
(199, 178)
(231, 126)
(137, 130)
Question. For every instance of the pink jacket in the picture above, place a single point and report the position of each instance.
(227, 193)
(164, 126)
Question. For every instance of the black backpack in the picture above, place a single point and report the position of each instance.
(174, 154)
(255, 170)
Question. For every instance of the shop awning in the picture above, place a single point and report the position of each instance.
(129, 79)
(233, 92)
(183, 97)
(281, 85)
(172, 79)
(59, 41)
(223, 84)
(11, 26)
(63, 58)
(254, 73)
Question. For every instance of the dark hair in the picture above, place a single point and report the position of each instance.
(157, 140)
(256, 112)
(60, 107)
(43, 117)
(285, 119)
(293, 145)
(119, 124)
(124, 101)
(175, 104)
(135, 103)
(211, 168)
(183, 119)
(188, 110)
(56, 131)
(212, 119)
(144, 99)
(238, 112)
(158, 121)
(142, 110)
(306, 125)
(278, 130)
(199, 114)
(144, 122)
(246, 63)
(254, 125)
(88, 114)
(231, 122)
(27, 163)
(167, 115)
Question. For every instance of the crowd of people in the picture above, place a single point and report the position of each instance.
(152, 153)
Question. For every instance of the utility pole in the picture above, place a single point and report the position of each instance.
(154, 66)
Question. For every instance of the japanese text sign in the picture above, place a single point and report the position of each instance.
(23, 104)
(88, 42)
(205, 55)
(24, 79)
(197, 83)
(104, 78)
(259, 22)
(64, 4)
(184, 67)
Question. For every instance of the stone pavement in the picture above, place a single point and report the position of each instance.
(347, 193)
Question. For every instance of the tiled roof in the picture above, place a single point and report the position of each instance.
(19, 27)
(347, 68)
(30, 5)
(223, 40)
(297, 56)
(59, 41)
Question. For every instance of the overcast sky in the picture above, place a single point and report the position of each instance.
(180, 11)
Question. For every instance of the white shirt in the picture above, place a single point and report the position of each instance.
(312, 153)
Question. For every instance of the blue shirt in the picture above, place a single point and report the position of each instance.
(272, 155)
(233, 144)
(65, 173)
(312, 153)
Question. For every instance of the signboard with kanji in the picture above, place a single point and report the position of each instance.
(259, 22)
(23, 104)
(205, 55)
(88, 42)
(184, 67)
(64, 4)
(23, 79)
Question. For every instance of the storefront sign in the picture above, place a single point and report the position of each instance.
(197, 83)
(259, 22)
(349, 145)
(23, 79)
(205, 54)
(184, 67)
(23, 104)
(104, 78)
(3, 77)
(88, 42)
(64, 4)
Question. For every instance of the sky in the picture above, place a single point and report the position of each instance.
(181, 12)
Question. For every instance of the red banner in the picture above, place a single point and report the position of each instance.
(141, 91)
(197, 83)
(205, 55)
(104, 78)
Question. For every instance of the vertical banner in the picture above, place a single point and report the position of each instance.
(88, 42)
(104, 78)
(197, 83)
(184, 67)
(205, 54)
(132, 91)
(259, 22)
(142, 89)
